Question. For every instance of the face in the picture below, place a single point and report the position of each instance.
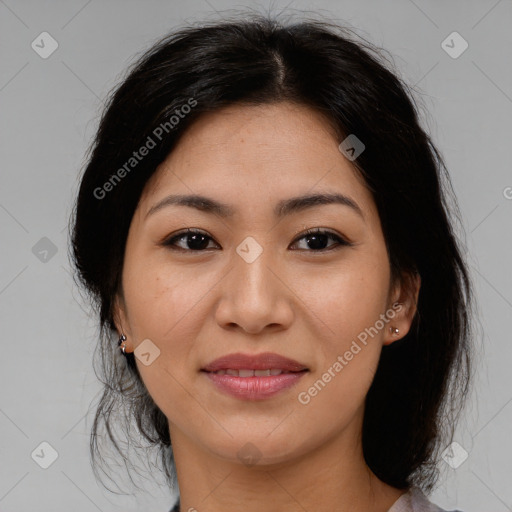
(250, 280)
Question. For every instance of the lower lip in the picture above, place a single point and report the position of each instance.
(255, 388)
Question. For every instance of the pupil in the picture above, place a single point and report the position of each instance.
(197, 238)
(317, 244)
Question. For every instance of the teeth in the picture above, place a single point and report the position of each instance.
(251, 373)
(261, 373)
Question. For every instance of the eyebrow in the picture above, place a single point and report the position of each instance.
(282, 208)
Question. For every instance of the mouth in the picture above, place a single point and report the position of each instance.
(253, 377)
(252, 386)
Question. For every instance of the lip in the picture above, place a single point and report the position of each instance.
(256, 387)
(264, 361)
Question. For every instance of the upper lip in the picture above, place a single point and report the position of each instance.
(264, 361)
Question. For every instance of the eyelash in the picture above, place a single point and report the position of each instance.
(341, 242)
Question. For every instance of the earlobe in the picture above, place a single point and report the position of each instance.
(393, 332)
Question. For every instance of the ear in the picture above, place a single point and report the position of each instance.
(121, 319)
(403, 301)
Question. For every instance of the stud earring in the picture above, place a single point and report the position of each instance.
(394, 330)
(122, 343)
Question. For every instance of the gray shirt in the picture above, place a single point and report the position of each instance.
(415, 501)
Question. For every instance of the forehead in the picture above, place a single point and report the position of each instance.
(239, 132)
(249, 155)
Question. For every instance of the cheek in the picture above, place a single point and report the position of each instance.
(162, 301)
(165, 307)
(347, 303)
(347, 306)
(344, 298)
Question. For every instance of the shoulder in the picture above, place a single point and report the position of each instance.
(415, 501)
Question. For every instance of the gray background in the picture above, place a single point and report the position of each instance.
(49, 112)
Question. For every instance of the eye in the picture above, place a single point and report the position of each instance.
(194, 240)
(316, 239)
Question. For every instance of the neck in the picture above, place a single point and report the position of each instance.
(333, 476)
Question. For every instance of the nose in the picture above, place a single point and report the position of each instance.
(254, 297)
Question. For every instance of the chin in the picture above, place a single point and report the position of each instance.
(258, 449)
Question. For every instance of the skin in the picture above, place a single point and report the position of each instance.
(293, 300)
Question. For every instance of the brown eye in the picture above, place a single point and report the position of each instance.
(317, 239)
(193, 240)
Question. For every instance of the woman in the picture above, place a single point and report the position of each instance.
(264, 227)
